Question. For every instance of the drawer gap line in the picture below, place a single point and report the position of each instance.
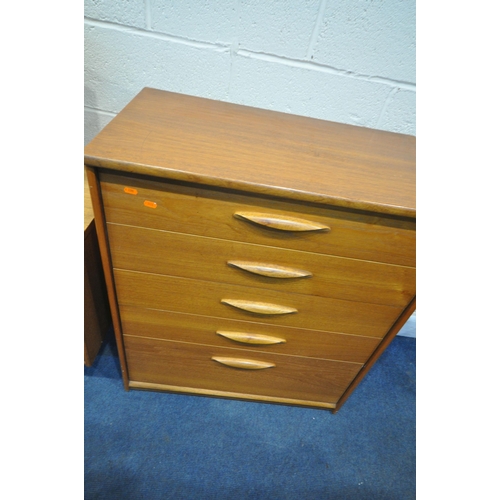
(246, 350)
(260, 245)
(256, 288)
(259, 323)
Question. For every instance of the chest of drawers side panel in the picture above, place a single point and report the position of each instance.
(410, 309)
(100, 224)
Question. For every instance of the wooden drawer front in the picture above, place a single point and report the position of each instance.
(208, 212)
(245, 335)
(177, 254)
(205, 298)
(182, 365)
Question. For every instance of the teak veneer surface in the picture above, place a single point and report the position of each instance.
(205, 298)
(88, 213)
(96, 306)
(168, 325)
(210, 212)
(164, 362)
(252, 254)
(177, 254)
(227, 145)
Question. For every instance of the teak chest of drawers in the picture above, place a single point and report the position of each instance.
(252, 254)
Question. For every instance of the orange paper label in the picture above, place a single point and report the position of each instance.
(150, 204)
(130, 190)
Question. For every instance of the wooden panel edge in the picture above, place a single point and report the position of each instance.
(247, 187)
(231, 395)
(100, 224)
(378, 351)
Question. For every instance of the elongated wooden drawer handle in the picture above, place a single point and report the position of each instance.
(246, 364)
(251, 338)
(281, 222)
(259, 307)
(270, 270)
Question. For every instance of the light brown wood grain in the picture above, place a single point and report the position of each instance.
(243, 363)
(195, 329)
(204, 298)
(176, 254)
(281, 223)
(88, 212)
(396, 327)
(216, 143)
(261, 308)
(211, 215)
(191, 365)
(269, 270)
(206, 212)
(251, 338)
(231, 395)
(100, 226)
(97, 318)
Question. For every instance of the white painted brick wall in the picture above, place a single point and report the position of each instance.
(267, 83)
(279, 27)
(375, 38)
(119, 63)
(126, 12)
(211, 21)
(341, 60)
(351, 61)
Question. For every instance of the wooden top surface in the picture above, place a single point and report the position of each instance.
(227, 145)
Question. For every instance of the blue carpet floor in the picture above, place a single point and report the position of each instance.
(149, 445)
